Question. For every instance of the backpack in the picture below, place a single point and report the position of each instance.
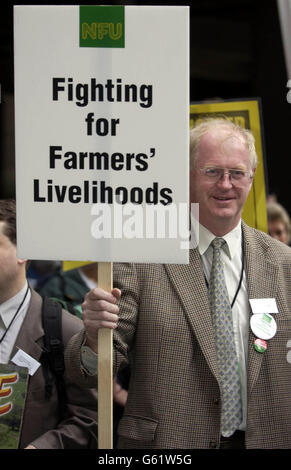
(52, 359)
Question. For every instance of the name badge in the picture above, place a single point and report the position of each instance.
(264, 305)
(23, 359)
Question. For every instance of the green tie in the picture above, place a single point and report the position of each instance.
(231, 413)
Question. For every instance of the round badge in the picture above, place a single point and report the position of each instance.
(260, 345)
(263, 325)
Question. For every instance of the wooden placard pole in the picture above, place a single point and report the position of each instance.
(105, 378)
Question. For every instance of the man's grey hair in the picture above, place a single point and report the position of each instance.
(206, 125)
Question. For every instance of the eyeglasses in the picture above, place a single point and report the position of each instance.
(236, 176)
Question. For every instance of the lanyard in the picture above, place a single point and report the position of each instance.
(241, 273)
(15, 315)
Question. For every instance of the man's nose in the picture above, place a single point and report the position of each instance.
(225, 180)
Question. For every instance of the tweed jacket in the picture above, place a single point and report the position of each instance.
(41, 425)
(165, 330)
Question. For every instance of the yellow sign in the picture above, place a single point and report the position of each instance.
(68, 265)
(247, 115)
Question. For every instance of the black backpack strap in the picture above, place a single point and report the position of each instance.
(53, 355)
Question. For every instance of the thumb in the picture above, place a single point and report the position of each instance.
(116, 293)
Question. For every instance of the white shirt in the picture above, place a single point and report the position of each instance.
(89, 282)
(232, 260)
(7, 311)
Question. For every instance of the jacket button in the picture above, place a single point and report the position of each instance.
(212, 444)
(216, 401)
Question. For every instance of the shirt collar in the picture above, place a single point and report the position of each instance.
(232, 238)
(10, 306)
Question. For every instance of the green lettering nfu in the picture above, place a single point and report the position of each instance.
(100, 30)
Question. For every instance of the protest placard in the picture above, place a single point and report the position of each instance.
(101, 161)
(102, 132)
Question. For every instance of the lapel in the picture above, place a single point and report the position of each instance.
(189, 283)
(31, 331)
(262, 281)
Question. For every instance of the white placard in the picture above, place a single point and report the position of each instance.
(102, 133)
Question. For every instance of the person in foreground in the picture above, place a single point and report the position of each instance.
(21, 329)
(202, 374)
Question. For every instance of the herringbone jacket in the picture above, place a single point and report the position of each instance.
(165, 329)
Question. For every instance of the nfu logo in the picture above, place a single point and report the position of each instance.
(101, 30)
(101, 26)
(289, 92)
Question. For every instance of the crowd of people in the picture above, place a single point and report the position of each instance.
(195, 365)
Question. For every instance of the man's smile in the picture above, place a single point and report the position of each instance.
(223, 198)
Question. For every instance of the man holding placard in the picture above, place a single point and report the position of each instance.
(22, 342)
(207, 342)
